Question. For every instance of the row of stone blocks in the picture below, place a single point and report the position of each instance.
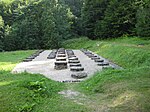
(61, 59)
(52, 55)
(64, 57)
(96, 58)
(33, 56)
(75, 66)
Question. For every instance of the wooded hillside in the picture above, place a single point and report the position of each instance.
(44, 24)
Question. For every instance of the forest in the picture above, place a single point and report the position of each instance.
(45, 24)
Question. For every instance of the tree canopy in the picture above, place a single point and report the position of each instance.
(44, 24)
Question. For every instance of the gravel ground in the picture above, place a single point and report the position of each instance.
(45, 66)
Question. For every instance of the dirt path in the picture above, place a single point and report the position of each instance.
(82, 99)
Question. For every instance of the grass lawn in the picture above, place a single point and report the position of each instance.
(126, 90)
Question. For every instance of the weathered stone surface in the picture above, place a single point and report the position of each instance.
(70, 52)
(85, 51)
(27, 60)
(88, 53)
(35, 55)
(76, 69)
(95, 58)
(73, 61)
(31, 57)
(70, 56)
(91, 56)
(52, 55)
(103, 64)
(99, 60)
(61, 59)
(43, 66)
(79, 75)
(59, 65)
(75, 65)
(61, 55)
(73, 58)
(60, 52)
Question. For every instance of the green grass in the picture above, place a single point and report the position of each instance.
(8, 60)
(30, 92)
(119, 90)
(125, 51)
(126, 90)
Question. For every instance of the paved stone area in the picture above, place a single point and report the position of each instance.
(45, 66)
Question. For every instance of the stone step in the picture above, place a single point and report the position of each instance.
(61, 58)
(61, 55)
(73, 58)
(61, 52)
(75, 65)
(99, 60)
(31, 57)
(27, 60)
(73, 61)
(95, 58)
(76, 69)
(91, 56)
(79, 75)
(51, 57)
(59, 65)
(103, 64)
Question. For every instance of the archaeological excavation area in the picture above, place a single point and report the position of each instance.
(64, 65)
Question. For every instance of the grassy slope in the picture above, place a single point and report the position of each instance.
(119, 90)
(124, 52)
(30, 92)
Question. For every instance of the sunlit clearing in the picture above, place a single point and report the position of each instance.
(5, 83)
(7, 66)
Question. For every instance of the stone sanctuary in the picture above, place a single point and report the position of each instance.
(64, 65)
